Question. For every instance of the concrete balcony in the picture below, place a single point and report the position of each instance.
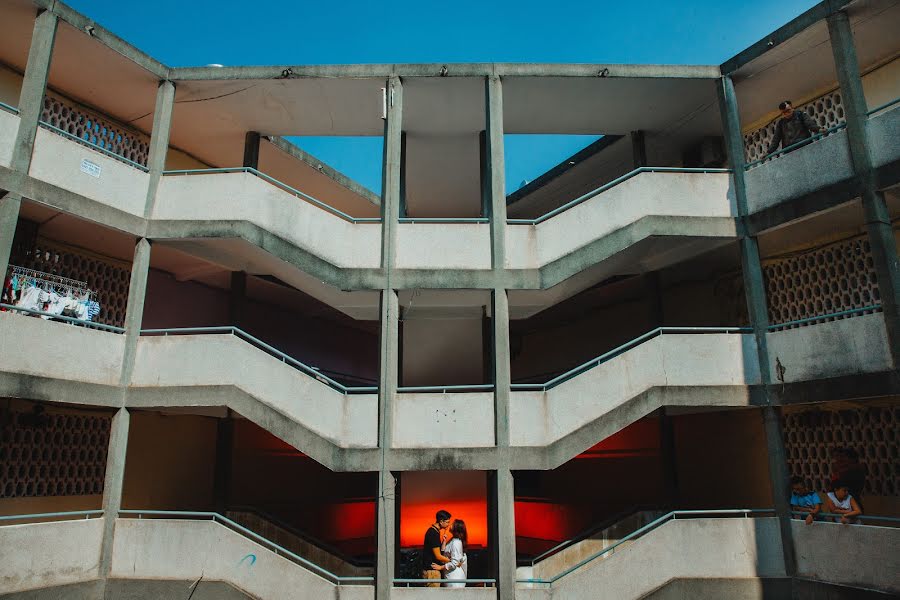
(9, 127)
(429, 245)
(444, 420)
(884, 131)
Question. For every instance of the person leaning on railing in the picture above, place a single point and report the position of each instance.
(804, 500)
(794, 126)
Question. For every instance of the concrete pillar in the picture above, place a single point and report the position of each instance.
(496, 170)
(251, 149)
(503, 492)
(9, 218)
(159, 140)
(638, 149)
(134, 310)
(386, 535)
(501, 361)
(34, 85)
(878, 220)
(391, 173)
(113, 485)
(755, 290)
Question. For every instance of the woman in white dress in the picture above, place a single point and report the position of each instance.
(458, 567)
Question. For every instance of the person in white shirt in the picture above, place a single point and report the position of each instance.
(458, 566)
(840, 502)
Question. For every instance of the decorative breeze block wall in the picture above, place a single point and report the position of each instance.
(827, 111)
(95, 128)
(63, 455)
(871, 432)
(828, 279)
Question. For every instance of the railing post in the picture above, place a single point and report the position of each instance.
(755, 289)
(878, 219)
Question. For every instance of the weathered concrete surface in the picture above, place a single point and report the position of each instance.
(67, 352)
(58, 160)
(689, 548)
(166, 549)
(671, 360)
(435, 420)
(9, 125)
(750, 588)
(246, 197)
(208, 360)
(845, 347)
(863, 556)
(88, 590)
(647, 194)
(883, 133)
(819, 164)
(467, 593)
(443, 246)
(40, 555)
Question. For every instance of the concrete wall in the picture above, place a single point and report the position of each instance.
(679, 549)
(884, 131)
(864, 556)
(442, 351)
(245, 197)
(9, 126)
(40, 555)
(657, 194)
(437, 420)
(845, 347)
(10, 86)
(57, 160)
(821, 163)
(689, 360)
(212, 360)
(66, 351)
(444, 246)
(472, 593)
(158, 548)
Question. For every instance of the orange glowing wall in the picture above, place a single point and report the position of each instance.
(423, 493)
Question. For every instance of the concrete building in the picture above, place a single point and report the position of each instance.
(609, 373)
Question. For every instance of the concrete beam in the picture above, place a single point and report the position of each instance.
(34, 85)
(323, 168)
(112, 485)
(104, 36)
(782, 34)
(159, 140)
(444, 70)
(878, 219)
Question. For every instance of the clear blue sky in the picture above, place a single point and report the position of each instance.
(231, 32)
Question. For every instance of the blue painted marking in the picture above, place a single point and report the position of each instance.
(252, 558)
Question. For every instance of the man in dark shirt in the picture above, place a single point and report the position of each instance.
(794, 126)
(431, 550)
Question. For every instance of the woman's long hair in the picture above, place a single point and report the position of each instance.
(458, 529)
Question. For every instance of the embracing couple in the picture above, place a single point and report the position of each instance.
(444, 552)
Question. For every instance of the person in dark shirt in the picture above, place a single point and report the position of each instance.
(431, 549)
(794, 126)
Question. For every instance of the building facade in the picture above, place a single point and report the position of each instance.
(230, 369)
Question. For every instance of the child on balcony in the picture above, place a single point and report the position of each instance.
(803, 500)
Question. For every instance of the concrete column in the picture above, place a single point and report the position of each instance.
(501, 361)
(251, 149)
(495, 171)
(638, 149)
(159, 140)
(386, 535)
(878, 220)
(391, 173)
(34, 85)
(113, 485)
(755, 290)
(503, 492)
(9, 218)
(134, 310)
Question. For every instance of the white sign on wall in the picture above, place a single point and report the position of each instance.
(92, 169)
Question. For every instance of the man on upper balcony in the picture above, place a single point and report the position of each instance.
(794, 126)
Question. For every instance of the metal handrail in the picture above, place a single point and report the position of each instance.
(860, 517)
(93, 146)
(409, 581)
(311, 371)
(279, 184)
(447, 388)
(428, 220)
(619, 350)
(609, 185)
(73, 320)
(746, 512)
(87, 514)
(214, 516)
(8, 108)
(795, 145)
(883, 106)
(834, 315)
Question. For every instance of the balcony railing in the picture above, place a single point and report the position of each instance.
(8, 108)
(826, 318)
(794, 146)
(93, 146)
(71, 320)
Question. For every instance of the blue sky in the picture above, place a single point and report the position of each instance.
(232, 32)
